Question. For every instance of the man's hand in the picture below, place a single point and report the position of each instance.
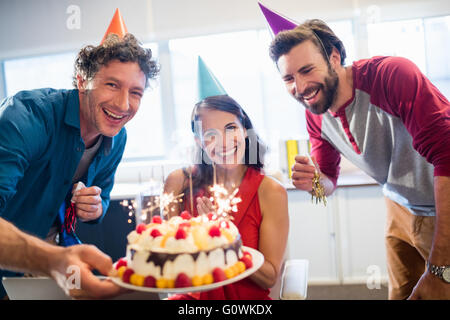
(88, 203)
(303, 173)
(72, 269)
(430, 287)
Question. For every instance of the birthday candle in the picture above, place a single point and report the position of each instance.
(191, 196)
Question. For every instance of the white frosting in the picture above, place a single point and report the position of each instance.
(175, 221)
(214, 242)
(184, 263)
(141, 267)
(147, 243)
(216, 258)
(231, 258)
(168, 270)
(233, 229)
(202, 266)
(133, 237)
(180, 245)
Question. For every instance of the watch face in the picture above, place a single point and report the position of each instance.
(446, 274)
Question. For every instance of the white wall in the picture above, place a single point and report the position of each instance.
(30, 27)
(182, 18)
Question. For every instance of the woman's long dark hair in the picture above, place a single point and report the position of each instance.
(255, 149)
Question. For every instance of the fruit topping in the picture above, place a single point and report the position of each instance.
(150, 282)
(155, 233)
(219, 275)
(248, 261)
(182, 281)
(121, 263)
(126, 275)
(140, 228)
(214, 231)
(185, 215)
(157, 219)
(181, 234)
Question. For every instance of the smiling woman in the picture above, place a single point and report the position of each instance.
(225, 136)
(230, 156)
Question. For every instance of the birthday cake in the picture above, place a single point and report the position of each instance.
(183, 251)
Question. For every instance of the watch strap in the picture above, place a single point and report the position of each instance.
(437, 270)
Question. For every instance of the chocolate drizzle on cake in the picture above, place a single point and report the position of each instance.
(132, 252)
(235, 246)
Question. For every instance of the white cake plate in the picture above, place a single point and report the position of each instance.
(257, 258)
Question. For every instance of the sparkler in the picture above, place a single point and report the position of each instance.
(161, 202)
(214, 174)
(317, 189)
(224, 203)
(166, 199)
(191, 195)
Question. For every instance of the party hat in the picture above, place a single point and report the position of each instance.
(276, 21)
(116, 26)
(208, 85)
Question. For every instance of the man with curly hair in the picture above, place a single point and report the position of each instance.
(52, 139)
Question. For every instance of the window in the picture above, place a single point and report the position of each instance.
(398, 38)
(52, 71)
(145, 130)
(344, 31)
(232, 57)
(423, 41)
(437, 38)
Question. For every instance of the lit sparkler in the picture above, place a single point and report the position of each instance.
(191, 189)
(166, 199)
(223, 202)
(161, 202)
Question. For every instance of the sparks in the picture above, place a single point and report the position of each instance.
(166, 199)
(224, 203)
(162, 202)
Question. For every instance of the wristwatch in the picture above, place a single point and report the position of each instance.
(442, 272)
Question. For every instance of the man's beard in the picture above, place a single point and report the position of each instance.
(329, 91)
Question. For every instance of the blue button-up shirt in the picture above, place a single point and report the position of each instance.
(40, 148)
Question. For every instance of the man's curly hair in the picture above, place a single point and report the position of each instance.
(91, 58)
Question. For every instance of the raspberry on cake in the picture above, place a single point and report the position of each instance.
(185, 215)
(183, 251)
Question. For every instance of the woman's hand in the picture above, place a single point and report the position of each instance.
(204, 205)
